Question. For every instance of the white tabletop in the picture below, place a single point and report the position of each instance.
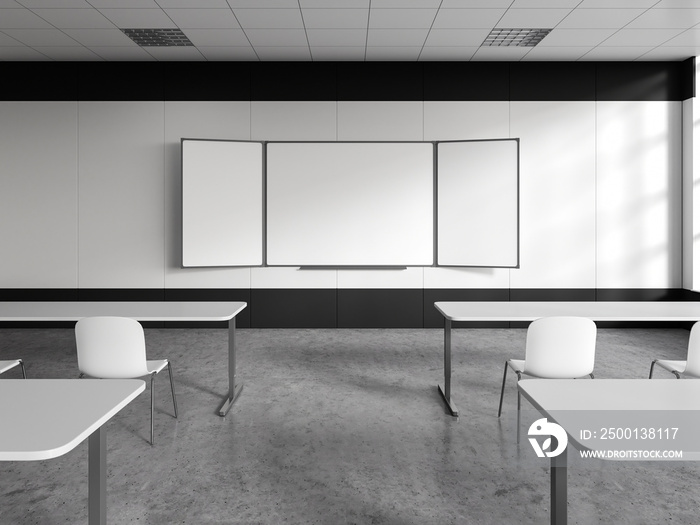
(630, 405)
(46, 418)
(141, 311)
(595, 310)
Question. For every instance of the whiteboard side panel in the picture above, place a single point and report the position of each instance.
(478, 203)
(351, 204)
(222, 203)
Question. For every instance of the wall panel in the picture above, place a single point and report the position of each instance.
(211, 120)
(466, 120)
(379, 121)
(638, 194)
(38, 195)
(293, 121)
(557, 194)
(121, 195)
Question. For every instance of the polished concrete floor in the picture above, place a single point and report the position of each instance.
(337, 427)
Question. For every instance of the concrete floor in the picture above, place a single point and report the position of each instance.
(337, 427)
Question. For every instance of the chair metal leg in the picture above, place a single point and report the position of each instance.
(153, 375)
(651, 370)
(172, 387)
(503, 387)
(591, 374)
(24, 372)
(517, 438)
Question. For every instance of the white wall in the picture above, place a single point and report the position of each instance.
(90, 191)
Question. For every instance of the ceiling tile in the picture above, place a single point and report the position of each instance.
(217, 37)
(41, 37)
(264, 4)
(575, 37)
(7, 40)
(203, 18)
(401, 18)
(21, 54)
(283, 53)
(193, 4)
(269, 18)
(337, 37)
(236, 54)
(447, 53)
(396, 37)
(616, 53)
(180, 53)
(532, 18)
(469, 4)
(139, 18)
(671, 18)
(125, 4)
(544, 3)
(74, 18)
(335, 4)
(501, 54)
(565, 54)
(122, 54)
(56, 4)
(354, 54)
(397, 4)
(393, 53)
(277, 37)
(456, 37)
(640, 37)
(671, 54)
(690, 37)
(467, 18)
(68, 53)
(663, 4)
(21, 19)
(335, 18)
(599, 18)
(627, 4)
(100, 37)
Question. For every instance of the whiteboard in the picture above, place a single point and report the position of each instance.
(350, 204)
(222, 203)
(477, 208)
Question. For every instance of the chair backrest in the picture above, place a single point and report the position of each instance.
(560, 347)
(692, 366)
(111, 347)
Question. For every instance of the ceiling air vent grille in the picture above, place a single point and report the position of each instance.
(158, 37)
(515, 37)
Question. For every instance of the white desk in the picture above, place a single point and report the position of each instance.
(571, 402)
(529, 311)
(79, 408)
(141, 311)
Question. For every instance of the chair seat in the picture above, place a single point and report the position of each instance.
(517, 365)
(7, 365)
(156, 365)
(674, 366)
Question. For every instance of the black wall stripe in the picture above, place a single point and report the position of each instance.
(345, 307)
(347, 81)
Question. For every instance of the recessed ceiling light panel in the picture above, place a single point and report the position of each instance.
(515, 37)
(158, 37)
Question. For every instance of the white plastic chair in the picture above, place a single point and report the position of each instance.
(115, 348)
(688, 368)
(9, 364)
(555, 348)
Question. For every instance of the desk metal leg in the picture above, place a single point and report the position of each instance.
(448, 369)
(97, 477)
(233, 389)
(557, 469)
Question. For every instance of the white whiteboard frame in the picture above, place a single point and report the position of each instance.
(350, 204)
(222, 203)
(478, 203)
